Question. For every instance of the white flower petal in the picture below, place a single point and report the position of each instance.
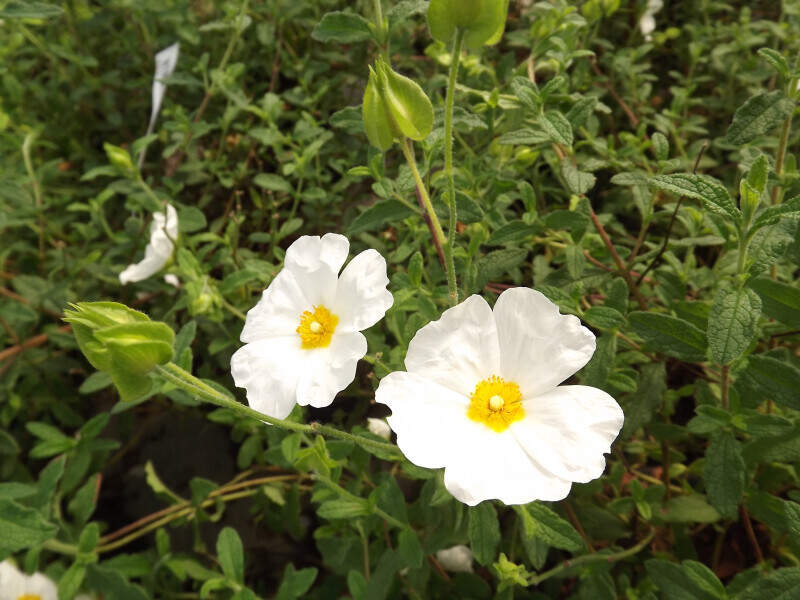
(457, 559)
(42, 586)
(379, 427)
(278, 311)
(327, 371)
(12, 581)
(163, 233)
(492, 465)
(172, 279)
(568, 429)
(458, 350)
(430, 420)
(269, 370)
(315, 264)
(539, 347)
(361, 295)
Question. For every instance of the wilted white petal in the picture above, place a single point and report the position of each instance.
(361, 295)
(459, 349)
(457, 559)
(539, 347)
(163, 233)
(379, 427)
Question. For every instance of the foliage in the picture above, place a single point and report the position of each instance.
(646, 186)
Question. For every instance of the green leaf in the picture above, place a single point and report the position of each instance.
(770, 378)
(515, 231)
(641, 406)
(295, 584)
(691, 508)
(409, 548)
(342, 27)
(496, 264)
(484, 532)
(343, 508)
(759, 174)
(83, 503)
(780, 301)
(113, 584)
(724, 473)
(773, 214)
(379, 214)
(578, 182)
(699, 187)
(557, 127)
(733, 323)
(781, 584)
(688, 581)
(776, 60)
(670, 335)
(660, 145)
(30, 10)
(71, 581)
(543, 523)
(604, 317)
(231, 554)
(758, 116)
(158, 486)
(138, 347)
(272, 182)
(22, 528)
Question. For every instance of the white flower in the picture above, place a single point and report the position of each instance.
(480, 398)
(647, 22)
(163, 233)
(16, 585)
(302, 339)
(379, 427)
(457, 559)
(172, 279)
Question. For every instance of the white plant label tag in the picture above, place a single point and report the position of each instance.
(165, 66)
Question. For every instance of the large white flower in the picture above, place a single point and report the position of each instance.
(480, 397)
(163, 233)
(302, 339)
(16, 585)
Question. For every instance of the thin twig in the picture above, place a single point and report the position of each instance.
(627, 109)
(748, 526)
(632, 287)
(671, 221)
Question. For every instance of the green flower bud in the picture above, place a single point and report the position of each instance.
(394, 107)
(119, 157)
(122, 341)
(483, 21)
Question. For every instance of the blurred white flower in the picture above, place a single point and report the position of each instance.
(647, 22)
(163, 233)
(457, 559)
(379, 427)
(16, 585)
(302, 339)
(172, 279)
(480, 397)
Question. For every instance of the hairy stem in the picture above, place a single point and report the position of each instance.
(448, 165)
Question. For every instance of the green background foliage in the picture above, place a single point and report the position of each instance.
(647, 186)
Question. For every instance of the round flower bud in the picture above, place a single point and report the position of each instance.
(483, 21)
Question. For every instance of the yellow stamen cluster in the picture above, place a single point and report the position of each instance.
(316, 328)
(496, 403)
(29, 597)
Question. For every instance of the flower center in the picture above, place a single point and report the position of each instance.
(29, 597)
(316, 328)
(496, 403)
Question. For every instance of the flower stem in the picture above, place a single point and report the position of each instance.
(408, 152)
(777, 191)
(189, 383)
(448, 165)
(345, 494)
(590, 558)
